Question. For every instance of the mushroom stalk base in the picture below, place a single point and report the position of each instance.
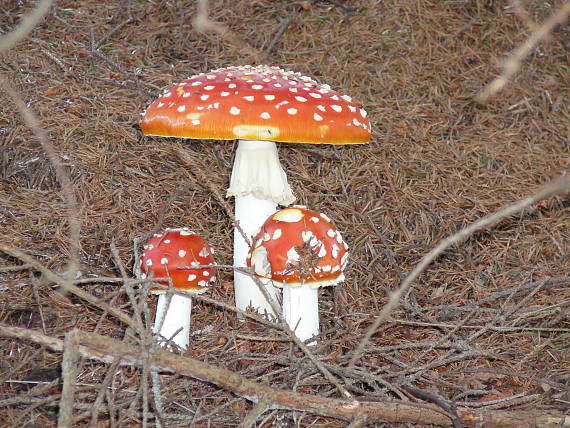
(178, 316)
(301, 310)
(251, 213)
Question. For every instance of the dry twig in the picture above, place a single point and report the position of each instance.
(513, 63)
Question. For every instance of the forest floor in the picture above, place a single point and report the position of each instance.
(486, 326)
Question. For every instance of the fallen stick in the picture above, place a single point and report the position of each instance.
(101, 348)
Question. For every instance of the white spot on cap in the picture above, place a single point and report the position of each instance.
(317, 117)
(327, 268)
(234, 110)
(206, 273)
(181, 108)
(301, 99)
(186, 94)
(148, 262)
(352, 109)
(315, 95)
(288, 215)
(306, 235)
(336, 108)
(277, 85)
(315, 219)
(331, 233)
(191, 277)
(203, 283)
(266, 237)
(185, 232)
(204, 97)
(356, 122)
(181, 253)
(346, 98)
(224, 94)
(334, 251)
(338, 237)
(293, 90)
(325, 217)
(344, 260)
(257, 87)
(166, 94)
(204, 252)
(322, 251)
(160, 105)
(363, 113)
(277, 233)
(249, 98)
(269, 97)
(260, 262)
(292, 255)
(163, 261)
(282, 103)
(209, 87)
(196, 83)
(321, 108)
(194, 264)
(166, 241)
(335, 97)
(232, 85)
(292, 110)
(195, 122)
(265, 115)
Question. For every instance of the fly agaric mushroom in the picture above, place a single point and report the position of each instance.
(258, 106)
(299, 250)
(168, 255)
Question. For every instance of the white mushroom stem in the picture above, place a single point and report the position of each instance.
(177, 315)
(301, 310)
(258, 183)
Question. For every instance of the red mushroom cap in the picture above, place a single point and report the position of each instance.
(297, 246)
(172, 249)
(257, 103)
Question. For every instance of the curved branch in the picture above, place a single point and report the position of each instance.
(105, 349)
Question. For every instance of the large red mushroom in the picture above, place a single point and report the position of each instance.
(299, 250)
(187, 259)
(258, 106)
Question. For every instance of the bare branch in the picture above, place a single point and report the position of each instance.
(25, 27)
(555, 187)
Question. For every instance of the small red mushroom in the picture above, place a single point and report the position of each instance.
(299, 250)
(172, 254)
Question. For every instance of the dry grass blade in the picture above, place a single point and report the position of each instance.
(556, 187)
(62, 176)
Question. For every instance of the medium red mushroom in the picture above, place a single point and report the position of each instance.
(299, 250)
(168, 255)
(258, 106)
